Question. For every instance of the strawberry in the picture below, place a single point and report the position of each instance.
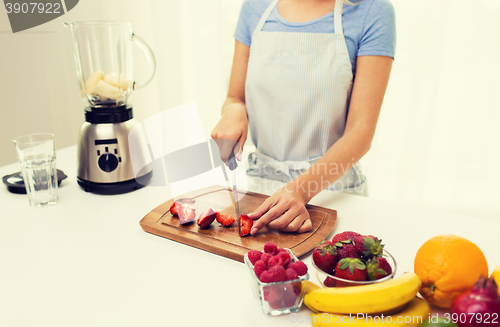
(344, 236)
(368, 246)
(330, 282)
(346, 250)
(377, 268)
(222, 218)
(174, 208)
(350, 269)
(270, 248)
(246, 225)
(186, 213)
(206, 218)
(254, 255)
(325, 256)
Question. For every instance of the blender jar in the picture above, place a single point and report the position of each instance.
(104, 63)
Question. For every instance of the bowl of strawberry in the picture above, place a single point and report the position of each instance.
(352, 259)
(277, 279)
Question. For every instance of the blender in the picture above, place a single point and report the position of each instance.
(104, 69)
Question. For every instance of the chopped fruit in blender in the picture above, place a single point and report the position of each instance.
(368, 246)
(351, 269)
(325, 256)
(174, 208)
(206, 218)
(344, 236)
(106, 90)
(254, 256)
(116, 81)
(246, 225)
(93, 79)
(186, 213)
(377, 268)
(225, 220)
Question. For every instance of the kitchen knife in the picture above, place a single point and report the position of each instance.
(232, 164)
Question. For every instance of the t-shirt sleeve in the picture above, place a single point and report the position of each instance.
(242, 33)
(379, 30)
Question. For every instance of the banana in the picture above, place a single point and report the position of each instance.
(120, 82)
(373, 298)
(93, 80)
(104, 90)
(413, 315)
(495, 275)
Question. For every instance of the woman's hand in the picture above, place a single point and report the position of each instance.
(285, 210)
(231, 129)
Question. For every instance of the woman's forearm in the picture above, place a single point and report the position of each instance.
(341, 157)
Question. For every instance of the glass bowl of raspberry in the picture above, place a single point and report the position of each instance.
(358, 271)
(278, 281)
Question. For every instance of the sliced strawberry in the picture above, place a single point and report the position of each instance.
(186, 213)
(206, 218)
(246, 225)
(174, 208)
(224, 219)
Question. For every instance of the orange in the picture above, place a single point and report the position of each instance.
(448, 265)
(496, 276)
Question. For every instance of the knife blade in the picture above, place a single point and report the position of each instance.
(232, 164)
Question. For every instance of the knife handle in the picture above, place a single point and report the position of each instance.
(231, 163)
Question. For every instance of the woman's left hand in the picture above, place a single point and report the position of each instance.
(285, 210)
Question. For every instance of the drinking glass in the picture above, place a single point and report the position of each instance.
(37, 156)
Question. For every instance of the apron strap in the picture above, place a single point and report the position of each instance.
(266, 14)
(337, 16)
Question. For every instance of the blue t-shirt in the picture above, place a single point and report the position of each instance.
(369, 26)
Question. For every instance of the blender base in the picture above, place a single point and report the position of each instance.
(115, 188)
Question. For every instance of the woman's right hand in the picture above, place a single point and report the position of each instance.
(231, 129)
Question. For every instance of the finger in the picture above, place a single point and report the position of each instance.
(266, 218)
(241, 143)
(263, 208)
(227, 148)
(285, 219)
(306, 226)
(295, 224)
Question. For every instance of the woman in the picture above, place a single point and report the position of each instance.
(308, 78)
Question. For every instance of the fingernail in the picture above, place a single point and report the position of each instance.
(253, 231)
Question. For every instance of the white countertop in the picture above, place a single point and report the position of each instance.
(86, 261)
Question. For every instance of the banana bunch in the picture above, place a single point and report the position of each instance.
(394, 300)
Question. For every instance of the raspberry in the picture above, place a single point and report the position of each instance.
(270, 248)
(265, 257)
(278, 273)
(291, 274)
(254, 255)
(273, 296)
(273, 261)
(281, 250)
(289, 297)
(299, 267)
(284, 258)
(266, 276)
(259, 267)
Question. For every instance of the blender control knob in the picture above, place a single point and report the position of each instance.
(108, 162)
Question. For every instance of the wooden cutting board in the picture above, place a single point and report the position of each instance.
(225, 241)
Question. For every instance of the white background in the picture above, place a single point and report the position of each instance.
(438, 137)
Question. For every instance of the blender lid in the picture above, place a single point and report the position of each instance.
(15, 182)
